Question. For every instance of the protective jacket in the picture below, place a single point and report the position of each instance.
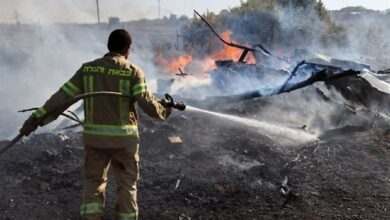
(110, 122)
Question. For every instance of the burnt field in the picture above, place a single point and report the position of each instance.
(287, 117)
(223, 169)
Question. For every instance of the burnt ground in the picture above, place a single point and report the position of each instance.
(221, 170)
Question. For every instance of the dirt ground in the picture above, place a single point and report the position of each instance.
(221, 171)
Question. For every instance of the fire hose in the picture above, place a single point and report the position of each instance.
(168, 102)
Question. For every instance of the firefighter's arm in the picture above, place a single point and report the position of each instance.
(39, 117)
(147, 101)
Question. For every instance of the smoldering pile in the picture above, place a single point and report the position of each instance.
(235, 81)
(223, 169)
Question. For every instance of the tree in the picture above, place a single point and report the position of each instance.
(323, 13)
(264, 21)
(256, 5)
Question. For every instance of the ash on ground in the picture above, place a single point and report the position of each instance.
(224, 170)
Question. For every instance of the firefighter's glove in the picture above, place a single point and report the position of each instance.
(163, 102)
(168, 111)
(168, 108)
(30, 125)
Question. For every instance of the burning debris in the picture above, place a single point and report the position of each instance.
(265, 74)
(267, 134)
(217, 169)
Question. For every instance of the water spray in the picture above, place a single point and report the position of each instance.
(283, 134)
(169, 102)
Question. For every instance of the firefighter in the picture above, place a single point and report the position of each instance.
(110, 126)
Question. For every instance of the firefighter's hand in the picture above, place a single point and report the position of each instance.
(29, 126)
(168, 111)
(163, 102)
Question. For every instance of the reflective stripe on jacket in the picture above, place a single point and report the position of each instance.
(110, 122)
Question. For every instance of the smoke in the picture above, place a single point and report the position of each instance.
(35, 61)
(369, 39)
(72, 11)
(356, 36)
(283, 134)
(304, 108)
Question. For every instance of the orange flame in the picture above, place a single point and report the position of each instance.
(172, 66)
(225, 53)
(208, 62)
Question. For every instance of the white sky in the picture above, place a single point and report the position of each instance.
(84, 11)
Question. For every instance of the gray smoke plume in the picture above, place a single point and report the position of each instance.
(361, 37)
(35, 60)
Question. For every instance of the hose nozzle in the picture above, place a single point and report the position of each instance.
(169, 102)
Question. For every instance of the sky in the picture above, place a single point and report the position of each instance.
(62, 11)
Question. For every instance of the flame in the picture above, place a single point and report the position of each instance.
(208, 62)
(225, 53)
(172, 65)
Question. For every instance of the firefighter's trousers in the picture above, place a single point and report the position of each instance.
(125, 169)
